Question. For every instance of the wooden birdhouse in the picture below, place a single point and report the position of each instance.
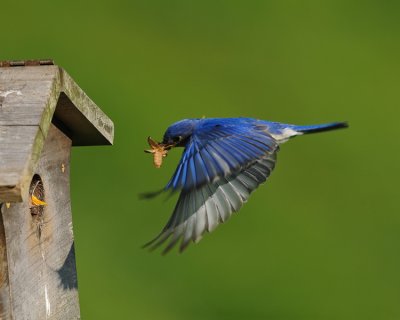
(43, 113)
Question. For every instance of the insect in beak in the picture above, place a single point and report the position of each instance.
(159, 151)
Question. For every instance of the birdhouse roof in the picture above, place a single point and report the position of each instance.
(34, 94)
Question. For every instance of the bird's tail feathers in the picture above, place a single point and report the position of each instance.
(320, 127)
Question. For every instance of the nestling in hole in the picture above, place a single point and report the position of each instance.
(36, 196)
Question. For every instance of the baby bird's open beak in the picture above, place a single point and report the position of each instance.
(37, 202)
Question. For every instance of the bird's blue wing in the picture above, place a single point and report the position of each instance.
(218, 150)
(221, 165)
(203, 209)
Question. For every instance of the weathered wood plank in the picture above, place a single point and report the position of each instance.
(41, 265)
(35, 73)
(100, 128)
(78, 127)
(5, 303)
(23, 102)
(20, 147)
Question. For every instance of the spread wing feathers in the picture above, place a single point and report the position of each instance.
(202, 210)
(220, 151)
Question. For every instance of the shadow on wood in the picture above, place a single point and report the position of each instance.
(66, 273)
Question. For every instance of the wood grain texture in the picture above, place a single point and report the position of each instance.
(27, 73)
(25, 101)
(96, 119)
(42, 281)
(19, 152)
(31, 99)
(5, 303)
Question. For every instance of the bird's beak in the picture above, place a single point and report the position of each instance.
(168, 143)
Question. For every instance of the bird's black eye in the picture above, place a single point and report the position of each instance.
(177, 139)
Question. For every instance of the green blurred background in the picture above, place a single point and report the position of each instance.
(321, 239)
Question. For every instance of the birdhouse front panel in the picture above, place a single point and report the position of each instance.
(40, 239)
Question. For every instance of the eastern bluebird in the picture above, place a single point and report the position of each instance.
(223, 162)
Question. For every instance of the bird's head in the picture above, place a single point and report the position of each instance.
(178, 133)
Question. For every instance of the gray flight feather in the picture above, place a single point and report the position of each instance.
(201, 210)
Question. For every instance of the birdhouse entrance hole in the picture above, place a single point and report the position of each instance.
(37, 201)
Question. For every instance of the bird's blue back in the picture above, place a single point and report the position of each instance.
(196, 125)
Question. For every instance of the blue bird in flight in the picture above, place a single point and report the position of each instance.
(224, 160)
